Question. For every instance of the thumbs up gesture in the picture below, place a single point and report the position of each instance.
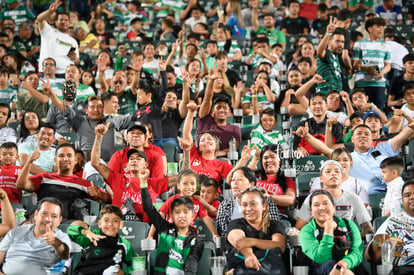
(49, 236)
(93, 190)
(101, 129)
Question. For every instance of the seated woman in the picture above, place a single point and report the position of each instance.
(350, 184)
(332, 243)
(230, 209)
(256, 241)
(281, 189)
(287, 97)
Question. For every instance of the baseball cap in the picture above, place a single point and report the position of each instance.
(370, 114)
(370, 12)
(137, 125)
(140, 153)
(10, 1)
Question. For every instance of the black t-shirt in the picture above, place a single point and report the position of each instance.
(171, 122)
(233, 77)
(294, 25)
(250, 232)
(396, 86)
(320, 25)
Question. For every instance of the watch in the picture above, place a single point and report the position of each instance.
(339, 267)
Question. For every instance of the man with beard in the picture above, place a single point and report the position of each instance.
(56, 117)
(63, 184)
(44, 162)
(328, 59)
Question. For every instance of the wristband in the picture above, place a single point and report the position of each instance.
(144, 185)
(254, 95)
(329, 33)
(328, 128)
(372, 106)
(374, 242)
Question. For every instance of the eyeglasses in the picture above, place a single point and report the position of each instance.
(118, 82)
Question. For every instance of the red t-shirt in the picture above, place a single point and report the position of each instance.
(119, 161)
(216, 205)
(8, 179)
(215, 169)
(199, 209)
(309, 11)
(271, 185)
(121, 191)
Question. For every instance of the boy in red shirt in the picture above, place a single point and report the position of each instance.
(208, 195)
(9, 172)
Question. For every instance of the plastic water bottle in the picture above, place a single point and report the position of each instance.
(233, 155)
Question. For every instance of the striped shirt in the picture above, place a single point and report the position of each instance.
(234, 47)
(8, 95)
(261, 138)
(262, 100)
(19, 15)
(371, 54)
(330, 70)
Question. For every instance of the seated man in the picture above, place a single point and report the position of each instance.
(317, 126)
(348, 205)
(44, 163)
(34, 248)
(217, 120)
(400, 227)
(62, 185)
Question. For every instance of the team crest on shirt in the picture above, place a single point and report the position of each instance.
(196, 162)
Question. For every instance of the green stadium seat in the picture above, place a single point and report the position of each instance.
(310, 163)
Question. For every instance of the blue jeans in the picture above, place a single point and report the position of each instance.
(171, 141)
(325, 268)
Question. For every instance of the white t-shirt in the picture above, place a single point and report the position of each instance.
(56, 45)
(153, 67)
(351, 185)
(408, 112)
(393, 197)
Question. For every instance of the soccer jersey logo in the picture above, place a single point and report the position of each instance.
(196, 162)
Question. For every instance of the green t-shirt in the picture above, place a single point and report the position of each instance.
(354, 3)
(176, 261)
(275, 36)
(19, 15)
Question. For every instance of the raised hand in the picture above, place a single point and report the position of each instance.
(54, 6)
(185, 144)
(46, 87)
(192, 107)
(101, 129)
(331, 121)
(162, 64)
(317, 79)
(143, 175)
(344, 95)
(302, 131)
(34, 156)
(332, 24)
(93, 237)
(101, 63)
(239, 87)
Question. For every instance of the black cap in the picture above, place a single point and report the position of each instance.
(133, 151)
(137, 125)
